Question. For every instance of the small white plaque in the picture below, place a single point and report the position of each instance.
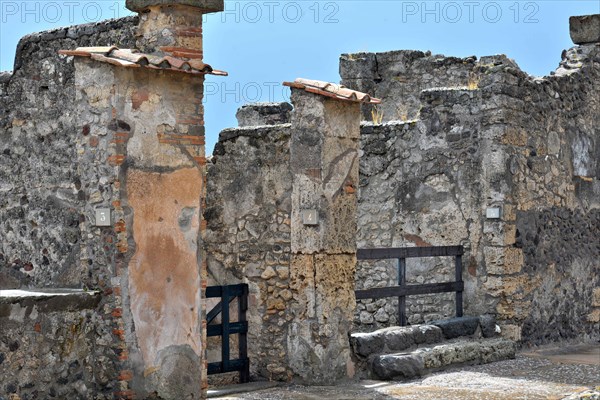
(103, 217)
(310, 217)
(492, 213)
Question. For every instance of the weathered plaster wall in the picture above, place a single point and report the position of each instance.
(149, 127)
(51, 177)
(74, 142)
(248, 235)
(527, 145)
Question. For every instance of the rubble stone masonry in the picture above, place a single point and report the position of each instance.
(488, 135)
(49, 184)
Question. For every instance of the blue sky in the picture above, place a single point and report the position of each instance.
(263, 43)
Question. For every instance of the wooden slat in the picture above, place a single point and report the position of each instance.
(225, 331)
(410, 290)
(243, 336)
(234, 290)
(212, 314)
(402, 299)
(234, 327)
(409, 252)
(459, 293)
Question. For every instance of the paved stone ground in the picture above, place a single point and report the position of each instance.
(547, 373)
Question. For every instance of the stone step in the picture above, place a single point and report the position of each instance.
(396, 339)
(425, 360)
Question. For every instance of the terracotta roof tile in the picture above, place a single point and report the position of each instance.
(131, 58)
(333, 90)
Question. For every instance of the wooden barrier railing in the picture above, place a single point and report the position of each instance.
(403, 290)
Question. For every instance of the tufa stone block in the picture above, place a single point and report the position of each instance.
(207, 6)
(585, 29)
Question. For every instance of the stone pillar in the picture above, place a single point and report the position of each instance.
(172, 26)
(324, 166)
(165, 179)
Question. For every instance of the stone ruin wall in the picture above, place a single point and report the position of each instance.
(465, 150)
(490, 135)
(428, 181)
(248, 235)
(46, 230)
(70, 143)
(300, 277)
(42, 196)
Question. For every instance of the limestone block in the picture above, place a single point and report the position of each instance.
(516, 286)
(324, 161)
(318, 359)
(509, 213)
(302, 284)
(513, 309)
(171, 377)
(499, 233)
(340, 228)
(585, 29)
(513, 260)
(514, 136)
(305, 196)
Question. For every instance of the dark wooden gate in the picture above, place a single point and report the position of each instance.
(403, 290)
(227, 328)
